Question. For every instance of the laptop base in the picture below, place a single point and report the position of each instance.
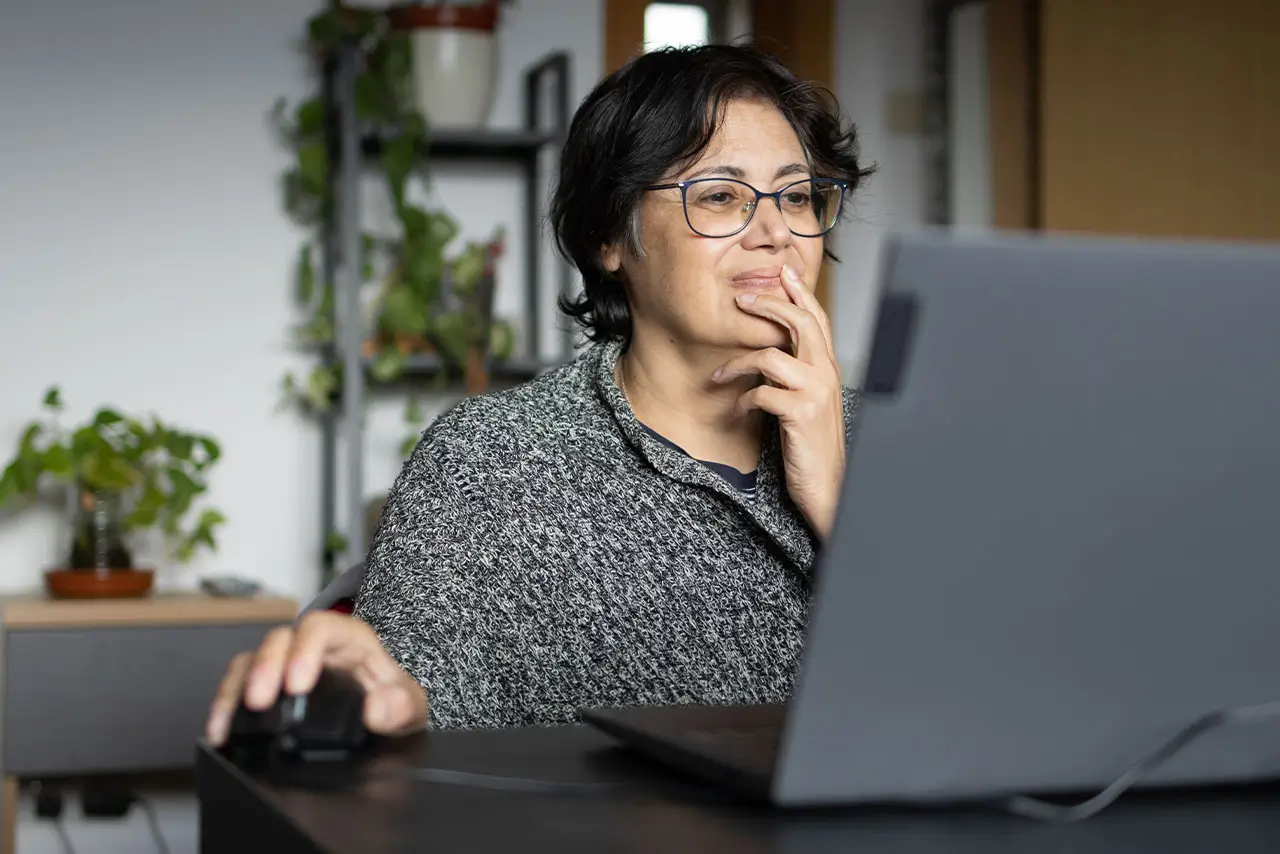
(734, 748)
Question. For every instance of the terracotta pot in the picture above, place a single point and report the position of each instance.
(112, 584)
(454, 60)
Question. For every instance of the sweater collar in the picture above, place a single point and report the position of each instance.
(772, 510)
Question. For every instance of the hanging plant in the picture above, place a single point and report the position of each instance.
(412, 268)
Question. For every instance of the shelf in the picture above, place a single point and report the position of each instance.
(358, 143)
(515, 145)
(425, 366)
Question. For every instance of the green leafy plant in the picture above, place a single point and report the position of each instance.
(158, 470)
(415, 268)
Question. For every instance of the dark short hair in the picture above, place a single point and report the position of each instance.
(657, 114)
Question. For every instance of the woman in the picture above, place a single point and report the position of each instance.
(637, 527)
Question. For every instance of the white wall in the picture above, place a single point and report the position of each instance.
(879, 57)
(145, 261)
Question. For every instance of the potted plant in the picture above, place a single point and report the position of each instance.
(124, 475)
(428, 300)
(454, 58)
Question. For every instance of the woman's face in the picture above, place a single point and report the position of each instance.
(683, 286)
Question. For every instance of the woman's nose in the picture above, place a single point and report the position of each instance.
(767, 225)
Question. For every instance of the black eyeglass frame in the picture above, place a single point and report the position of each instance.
(776, 195)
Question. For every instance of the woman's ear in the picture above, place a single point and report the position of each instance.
(611, 258)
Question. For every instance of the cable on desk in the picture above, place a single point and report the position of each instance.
(510, 784)
(1067, 813)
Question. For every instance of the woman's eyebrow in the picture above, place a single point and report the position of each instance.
(731, 171)
(741, 174)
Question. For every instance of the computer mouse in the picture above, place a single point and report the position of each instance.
(323, 725)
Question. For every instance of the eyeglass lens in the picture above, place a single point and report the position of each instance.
(719, 207)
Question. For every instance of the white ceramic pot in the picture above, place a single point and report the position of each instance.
(454, 60)
(454, 71)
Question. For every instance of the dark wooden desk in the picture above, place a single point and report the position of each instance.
(654, 811)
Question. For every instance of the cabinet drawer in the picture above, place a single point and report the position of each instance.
(112, 699)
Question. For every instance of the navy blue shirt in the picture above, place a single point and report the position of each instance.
(744, 482)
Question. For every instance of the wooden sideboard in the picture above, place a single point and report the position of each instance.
(114, 686)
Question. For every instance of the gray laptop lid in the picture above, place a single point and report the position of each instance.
(1059, 535)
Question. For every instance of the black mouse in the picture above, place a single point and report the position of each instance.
(323, 725)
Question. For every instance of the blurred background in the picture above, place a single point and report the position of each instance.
(219, 335)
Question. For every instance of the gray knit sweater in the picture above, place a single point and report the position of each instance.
(541, 553)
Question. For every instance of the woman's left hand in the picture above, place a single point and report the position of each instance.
(804, 390)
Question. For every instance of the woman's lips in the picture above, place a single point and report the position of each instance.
(760, 279)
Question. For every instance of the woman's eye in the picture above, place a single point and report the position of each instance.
(716, 197)
(796, 200)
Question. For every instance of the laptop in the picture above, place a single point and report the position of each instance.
(1058, 539)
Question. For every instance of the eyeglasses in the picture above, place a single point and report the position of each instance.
(722, 207)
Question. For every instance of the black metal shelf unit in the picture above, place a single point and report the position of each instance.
(351, 146)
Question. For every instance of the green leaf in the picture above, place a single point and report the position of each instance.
(502, 339)
(317, 330)
(304, 202)
(413, 126)
(468, 268)
(397, 67)
(323, 30)
(58, 462)
(203, 534)
(309, 118)
(369, 97)
(442, 228)
(184, 486)
(403, 312)
(388, 365)
(85, 442)
(33, 432)
(106, 417)
(53, 398)
(9, 486)
(423, 270)
(305, 276)
(398, 155)
(413, 220)
(410, 442)
(335, 542)
(180, 446)
(210, 518)
(313, 166)
(105, 471)
(321, 385)
(212, 450)
(451, 335)
(146, 510)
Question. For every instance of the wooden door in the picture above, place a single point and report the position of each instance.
(1145, 117)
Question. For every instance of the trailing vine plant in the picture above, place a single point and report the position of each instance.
(428, 299)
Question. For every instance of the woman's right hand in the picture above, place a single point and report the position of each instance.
(291, 658)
